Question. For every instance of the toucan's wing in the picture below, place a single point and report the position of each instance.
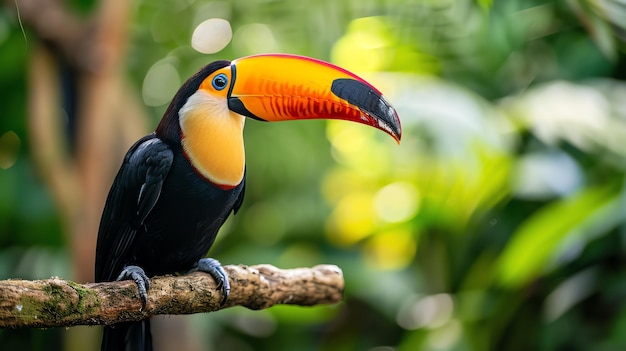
(134, 193)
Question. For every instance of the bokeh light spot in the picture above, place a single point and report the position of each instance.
(352, 220)
(338, 183)
(363, 48)
(254, 38)
(391, 250)
(160, 84)
(445, 337)
(397, 202)
(211, 36)
(432, 311)
(348, 139)
(358, 146)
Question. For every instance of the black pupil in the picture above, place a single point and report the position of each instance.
(220, 81)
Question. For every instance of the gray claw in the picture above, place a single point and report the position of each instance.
(215, 269)
(137, 274)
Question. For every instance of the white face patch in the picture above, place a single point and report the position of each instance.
(213, 106)
(213, 138)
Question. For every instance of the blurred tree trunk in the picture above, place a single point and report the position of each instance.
(83, 116)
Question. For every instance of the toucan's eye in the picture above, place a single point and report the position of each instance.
(219, 81)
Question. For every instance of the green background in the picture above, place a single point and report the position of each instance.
(499, 222)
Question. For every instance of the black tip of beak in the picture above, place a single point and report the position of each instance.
(371, 103)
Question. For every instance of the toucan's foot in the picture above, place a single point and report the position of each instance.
(215, 269)
(137, 274)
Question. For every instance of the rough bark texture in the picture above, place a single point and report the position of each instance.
(60, 303)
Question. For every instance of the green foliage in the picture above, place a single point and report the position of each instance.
(539, 236)
(497, 224)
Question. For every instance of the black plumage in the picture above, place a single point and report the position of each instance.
(160, 215)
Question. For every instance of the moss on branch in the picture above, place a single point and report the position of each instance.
(56, 302)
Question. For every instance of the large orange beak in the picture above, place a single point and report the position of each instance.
(278, 87)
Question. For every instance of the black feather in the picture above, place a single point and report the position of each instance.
(160, 215)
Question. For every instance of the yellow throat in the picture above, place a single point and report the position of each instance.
(212, 138)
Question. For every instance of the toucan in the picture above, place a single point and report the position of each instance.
(177, 185)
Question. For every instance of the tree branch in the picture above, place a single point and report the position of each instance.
(60, 303)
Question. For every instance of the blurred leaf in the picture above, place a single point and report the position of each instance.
(606, 22)
(535, 241)
(599, 28)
